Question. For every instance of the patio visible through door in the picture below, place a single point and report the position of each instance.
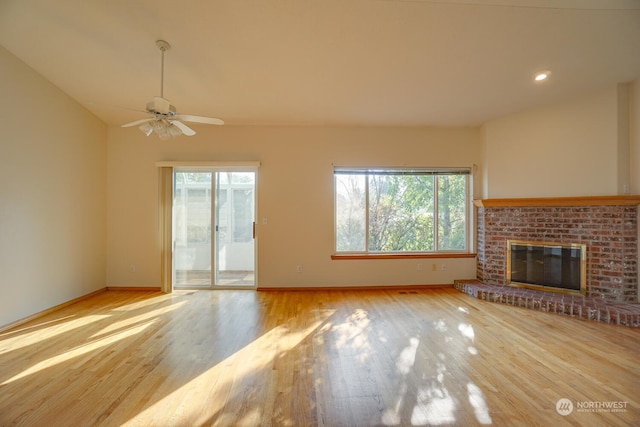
(213, 228)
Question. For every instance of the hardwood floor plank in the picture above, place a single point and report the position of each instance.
(314, 358)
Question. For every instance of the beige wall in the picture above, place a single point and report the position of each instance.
(78, 200)
(569, 149)
(295, 194)
(634, 136)
(52, 194)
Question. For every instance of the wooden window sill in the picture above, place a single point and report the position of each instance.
(402, 256)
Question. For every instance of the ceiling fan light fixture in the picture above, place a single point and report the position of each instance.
(164, 136)
(173, 130)
(159, 126)
(163, 128)
(146, 128)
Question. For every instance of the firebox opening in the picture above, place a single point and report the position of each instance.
(557, 267)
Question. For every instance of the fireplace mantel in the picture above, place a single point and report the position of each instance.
(618, 200)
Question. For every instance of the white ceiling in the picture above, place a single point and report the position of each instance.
(326, 62)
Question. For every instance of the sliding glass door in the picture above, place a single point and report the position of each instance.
(234, 257)
(213, 228)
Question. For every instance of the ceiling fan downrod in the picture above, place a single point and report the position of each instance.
(163, 46)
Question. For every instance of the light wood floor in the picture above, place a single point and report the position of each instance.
(327, 358)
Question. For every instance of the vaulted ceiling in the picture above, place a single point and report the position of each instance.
(326, 62)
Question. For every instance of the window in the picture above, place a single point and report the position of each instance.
(401, 210)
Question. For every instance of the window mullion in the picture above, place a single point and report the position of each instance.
(436, 216)
(366, 214)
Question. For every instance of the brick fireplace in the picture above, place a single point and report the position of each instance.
(608, 226)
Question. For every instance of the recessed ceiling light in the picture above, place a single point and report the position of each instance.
(541, 76)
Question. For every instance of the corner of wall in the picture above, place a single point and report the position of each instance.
(634, 136)
(484, 166)
(624, 137)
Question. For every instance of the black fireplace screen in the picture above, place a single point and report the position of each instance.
(542, 264)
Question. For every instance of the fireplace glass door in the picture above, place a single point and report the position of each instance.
(557, 266)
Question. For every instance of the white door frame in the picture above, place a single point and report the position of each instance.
(165, 212)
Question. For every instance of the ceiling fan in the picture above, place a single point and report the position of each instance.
(165, 121)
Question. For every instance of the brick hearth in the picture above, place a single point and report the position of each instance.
(590, 308)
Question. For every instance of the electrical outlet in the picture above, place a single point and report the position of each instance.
(299, 269)
(419, 267)
(443, 267)
(132, 268)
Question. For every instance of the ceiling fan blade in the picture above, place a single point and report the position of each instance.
(137, 122)
(184, 128)
(199, 119)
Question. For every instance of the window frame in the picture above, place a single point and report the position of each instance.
(436, 253)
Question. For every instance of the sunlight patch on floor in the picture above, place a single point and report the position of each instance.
(112, 327)
(253, 418)
(391, 416)
(476, 399)
(407, 357)
(219, 379)
(353, 334)
(434, 403)
(141, 304)
(23, 330)
(80, 350)
(58, 327)
(404, 364)
(467, 331)
(435, 406)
